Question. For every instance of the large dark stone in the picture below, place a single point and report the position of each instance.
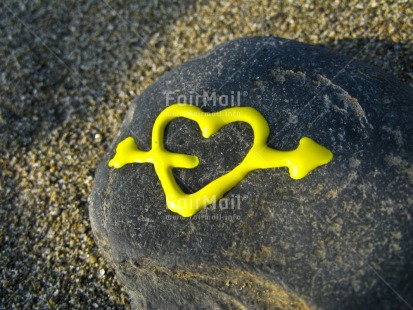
(339, 238)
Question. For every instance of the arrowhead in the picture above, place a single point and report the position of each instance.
(306, 157)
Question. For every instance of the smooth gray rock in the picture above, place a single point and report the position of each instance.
(339, 238)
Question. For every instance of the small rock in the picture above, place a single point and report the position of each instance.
(92, 259)
(339, 238)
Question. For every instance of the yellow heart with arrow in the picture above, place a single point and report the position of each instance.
(301, 161)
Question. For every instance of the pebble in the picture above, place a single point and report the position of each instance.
(274, 240)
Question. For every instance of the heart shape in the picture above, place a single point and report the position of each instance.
(301, 161)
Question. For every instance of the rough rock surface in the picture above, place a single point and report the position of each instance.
(340, 237)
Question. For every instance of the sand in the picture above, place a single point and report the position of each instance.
(69, 70)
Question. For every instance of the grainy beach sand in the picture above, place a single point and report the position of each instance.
(68, 71)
